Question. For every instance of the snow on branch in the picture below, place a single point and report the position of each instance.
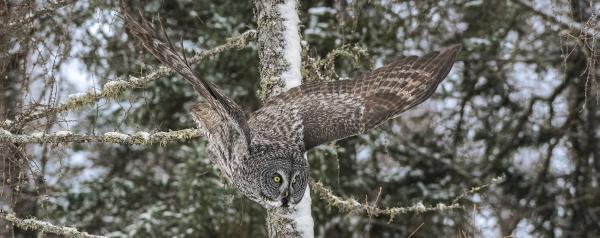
(45, 227)
(116, 88)
(353, 206)
(138, 138)
(586, 29)
(32, 16)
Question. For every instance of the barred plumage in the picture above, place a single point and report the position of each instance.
(262, 155)
(335, 110)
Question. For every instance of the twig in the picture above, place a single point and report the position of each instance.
(29, 17)
(45, 227)
(116, 88)
(414, 232)
(141, 138)
(473, 190)
(352, 206)
(564, 23)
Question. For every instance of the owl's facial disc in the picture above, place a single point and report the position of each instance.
(284, 185)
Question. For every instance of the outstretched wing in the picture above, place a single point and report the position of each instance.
(334, 110)
(222, 108)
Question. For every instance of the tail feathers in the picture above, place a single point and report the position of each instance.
(159, 47)
(162, 50)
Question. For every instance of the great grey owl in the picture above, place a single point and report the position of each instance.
(262, 155)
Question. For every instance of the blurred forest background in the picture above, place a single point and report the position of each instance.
(522, 101)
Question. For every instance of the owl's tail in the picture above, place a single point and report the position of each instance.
(160, 47)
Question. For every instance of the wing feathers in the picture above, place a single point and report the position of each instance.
(405, 84)
(335, 110)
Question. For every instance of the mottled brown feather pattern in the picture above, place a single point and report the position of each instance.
(159, 47)
(335, 110)
(273, 140)
(220, 119)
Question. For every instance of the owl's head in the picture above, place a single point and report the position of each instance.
(283, 182)
(278, 175)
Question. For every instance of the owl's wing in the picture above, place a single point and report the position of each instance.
(334, 110)
(222, 109)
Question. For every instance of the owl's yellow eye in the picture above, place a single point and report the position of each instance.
(277, 179)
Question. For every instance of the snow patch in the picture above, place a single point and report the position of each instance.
(118, 135)
(37, 134)
(5, 132)
(63, 133)
(75, 96)
(478, 41)
(474, 3)
(8, 122)
(291, 50)
(114, 83)
(143, 134)
(321, 10)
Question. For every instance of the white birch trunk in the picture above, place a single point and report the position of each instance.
(279, 55)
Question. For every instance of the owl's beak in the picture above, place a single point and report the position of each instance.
(285, 200)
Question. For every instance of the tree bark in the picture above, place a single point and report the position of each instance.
(11, 159)
(279, 54)
(278, 46)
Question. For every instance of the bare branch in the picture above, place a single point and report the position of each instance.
(323, 69)
(473, 190)
(563, 22)
(30, 17)
(114, 89)
(138, 138)
(44, 227)
(353, 206)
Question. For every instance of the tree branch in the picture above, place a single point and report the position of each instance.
(45, 227)
(30, 17)
(353, 206)
(563, 22)
(116, 88)
(279, 54)
(138, 138)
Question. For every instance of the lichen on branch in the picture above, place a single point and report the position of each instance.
(115, 89)
(42, 227)
(32, 16)
(278, 46)
(138, 138)
(351, 205)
